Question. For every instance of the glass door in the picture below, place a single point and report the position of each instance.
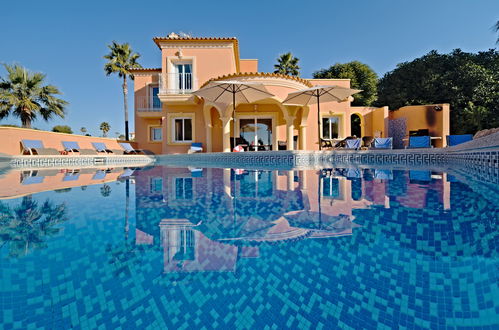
(256, 133)
(184, 77)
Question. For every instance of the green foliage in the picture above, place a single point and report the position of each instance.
(24, 95)
(105, 128)
(287, 64)
(121, 59)
(62, 129)
(361, 77)
(28, 225)
(468, 82)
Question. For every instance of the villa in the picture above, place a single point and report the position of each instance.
(169, 118)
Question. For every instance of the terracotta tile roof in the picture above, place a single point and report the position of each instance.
(157, 41)
(260, 74)
(146, 69)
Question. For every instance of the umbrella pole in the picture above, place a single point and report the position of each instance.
(234, 117)
(319, 122)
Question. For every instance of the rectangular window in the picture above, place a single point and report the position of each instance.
(330, 127)
(182, 129)
(156, 103)
(330, 187)
(156, 133)
(156, 185)
(183, 188)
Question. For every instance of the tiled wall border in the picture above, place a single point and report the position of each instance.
(58, 161)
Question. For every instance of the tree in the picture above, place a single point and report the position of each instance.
(83, 130)
(105, 190)
(496, 28)
(361, 77)
(24, 94)
(28, 225)
(469, 82)
(62, 129)
(105, 128)
(121, 60)
(287, 64)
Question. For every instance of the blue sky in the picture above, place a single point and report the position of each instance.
(67, 39)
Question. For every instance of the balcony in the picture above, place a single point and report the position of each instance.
(177, 88)
(146, 106)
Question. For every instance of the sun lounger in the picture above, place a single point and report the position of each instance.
(73, 146)
(71, 175)
(195, 147)
(128, 172)
(35, 147)
(383, 143)
(99, 175)
(196, 172)
(101, 147)
(454, 140)
(419, 142)
(352, 144)
(31, 177)
(129, 149)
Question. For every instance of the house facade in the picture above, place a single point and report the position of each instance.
(169, 118)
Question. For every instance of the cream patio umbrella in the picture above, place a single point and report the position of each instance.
(319, 94)
(233, 91)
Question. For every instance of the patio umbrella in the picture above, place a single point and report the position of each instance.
(233, 91)
(317, 94)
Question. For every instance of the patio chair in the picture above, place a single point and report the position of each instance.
(73, 146)
(352, 144)
(419, 142)
(31, 177)
(195, 147)
(129, 150)
(35, 147)
(383, 143)
(196, 172)
(383, 174)
(454, 140)
(367, 141)
(100, 147)
(353, 173)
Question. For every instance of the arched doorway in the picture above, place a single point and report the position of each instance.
(355, 124)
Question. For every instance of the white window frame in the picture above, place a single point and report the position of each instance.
(330, 126)
(174, 185)
(151, 134)
(174, 127)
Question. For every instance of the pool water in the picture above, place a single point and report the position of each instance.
(233, 248)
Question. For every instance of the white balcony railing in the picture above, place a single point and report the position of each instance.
(147, 104)
(177, 83)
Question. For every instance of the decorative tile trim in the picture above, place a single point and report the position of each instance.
(58, 161)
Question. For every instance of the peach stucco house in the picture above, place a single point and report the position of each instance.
(168, 117)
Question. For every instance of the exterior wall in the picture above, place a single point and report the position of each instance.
(374, 121)
(248, 65)
(425, 116)
(12, 187)
(207, 62)
(199, 127)
(11, 140)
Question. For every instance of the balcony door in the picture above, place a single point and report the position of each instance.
(183, 79)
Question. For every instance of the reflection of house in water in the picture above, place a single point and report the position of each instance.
(206, 220)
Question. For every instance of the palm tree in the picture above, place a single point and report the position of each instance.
(121, 60)
(28, 225)
(496, 28)
(24, 95)
(287, 64)
(83, 130)
(104, 127)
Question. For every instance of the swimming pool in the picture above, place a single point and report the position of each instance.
(171, 247)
